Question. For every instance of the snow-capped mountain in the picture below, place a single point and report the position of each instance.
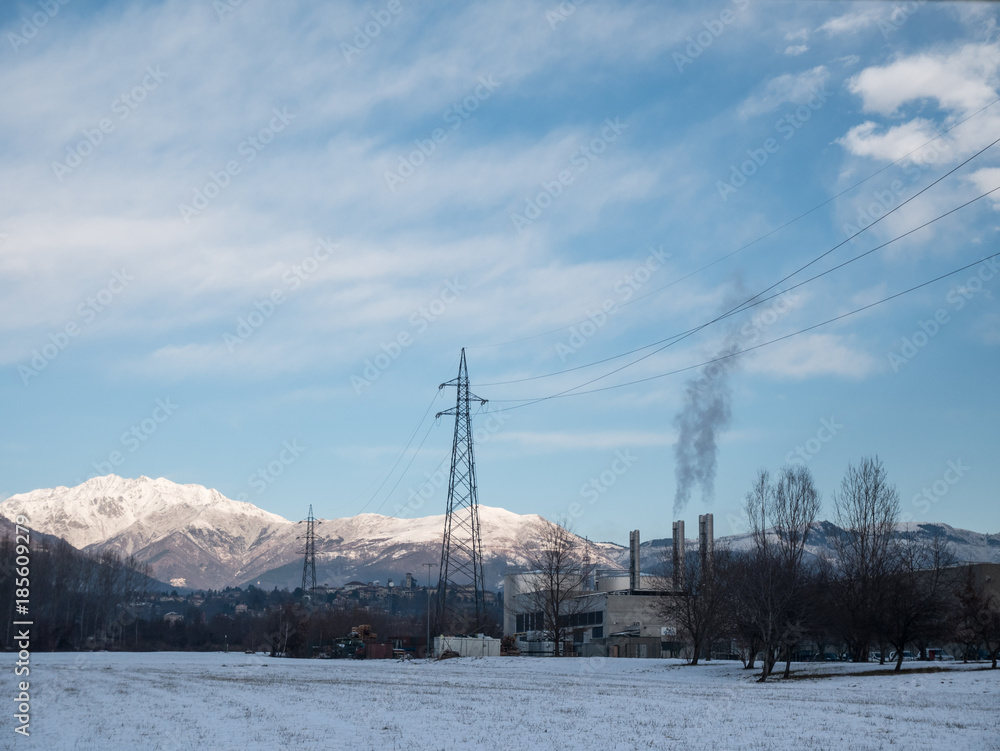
(196, 537)
(192, 536)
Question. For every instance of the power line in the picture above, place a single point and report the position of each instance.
(863, 308)
(407, 469)
(399, 457)
(774, 231)
(750, 302)
(670, 341)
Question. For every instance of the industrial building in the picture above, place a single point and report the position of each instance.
(613, 613)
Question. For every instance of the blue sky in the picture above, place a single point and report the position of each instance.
(241, 244)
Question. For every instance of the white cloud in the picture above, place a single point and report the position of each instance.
(891, 144)
(322, 177)
(962, 81)
(796, 49)
(988, 179)
(811, 356)
(794, 88)
(855, 20)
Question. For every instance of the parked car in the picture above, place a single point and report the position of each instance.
(907, 656)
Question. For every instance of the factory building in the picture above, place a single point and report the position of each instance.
(612, 613)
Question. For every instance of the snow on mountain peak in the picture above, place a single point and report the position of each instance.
(107, 506)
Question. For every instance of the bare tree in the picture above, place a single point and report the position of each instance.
(867, 509)
(557, 567)
(699, 607)
(781, 516)
(796, 506)
(761, 594)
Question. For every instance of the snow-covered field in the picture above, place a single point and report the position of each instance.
(236, 701)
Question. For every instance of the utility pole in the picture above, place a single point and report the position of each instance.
(429, 651)
(462, 547)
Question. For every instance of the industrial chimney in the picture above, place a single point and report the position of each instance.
(678, 554)
(706, 537)
(633, 561)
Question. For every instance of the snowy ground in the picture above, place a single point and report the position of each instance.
(235, 701)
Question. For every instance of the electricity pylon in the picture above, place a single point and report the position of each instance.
(461, 576)
(309, 562)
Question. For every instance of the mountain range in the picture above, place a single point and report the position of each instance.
(195, 537)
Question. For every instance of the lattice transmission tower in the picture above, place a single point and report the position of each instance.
(309, 561)
(461, 581)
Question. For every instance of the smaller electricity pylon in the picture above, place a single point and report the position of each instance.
(309, 562)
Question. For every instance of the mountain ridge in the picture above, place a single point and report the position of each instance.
(193, 536)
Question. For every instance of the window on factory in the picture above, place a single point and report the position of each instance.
(597, 632)
(590, 618)
(529, 622)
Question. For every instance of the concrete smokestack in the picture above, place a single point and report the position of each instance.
(678, 554)
(633, 561)
(706, 540)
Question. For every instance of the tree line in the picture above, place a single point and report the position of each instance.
(107, 601)
(885, 591)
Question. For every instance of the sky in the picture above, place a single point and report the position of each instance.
(243, 243)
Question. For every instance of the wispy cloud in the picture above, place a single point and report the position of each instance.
(789, 87)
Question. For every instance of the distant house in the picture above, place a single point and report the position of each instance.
(241, 608)
(351, 586)
(173, 618)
